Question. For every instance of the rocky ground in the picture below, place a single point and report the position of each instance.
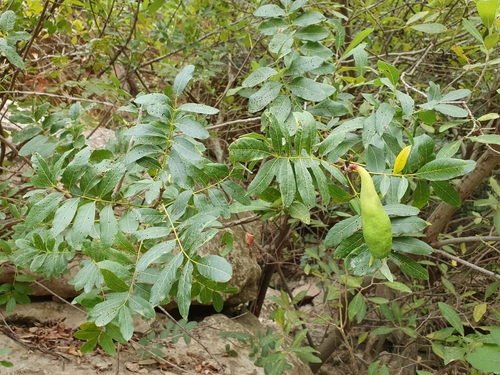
(41, 338)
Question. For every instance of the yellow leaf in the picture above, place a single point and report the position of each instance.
(488, 117)
(460, 52)
(78, 25)
(362, 337)
(479, 311)
(401, 159)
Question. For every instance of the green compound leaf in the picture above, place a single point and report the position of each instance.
(446, 192)
(442, 169)
(269, 11)
(259, 76)
(492, 139)
(198, 108)
(411, 245)
(304, 183)
(404, 225)
(299, 211)
(126, 323)
(308, 89)
(42, 209)
(165, 280)
(286, 180)
(264, 177)
(342, 230)
(140, 306)
(421, 194)
(249, 149)
(184, 290)
(153, 254)
(215, 268)
(452, 317)
(182, 79)
(108, 226)
(409, 266)
(266, 94)
(64, 215)
(430, 28)
(355, 305)
(84, 221)
(43, 176)
(88, 277)
(106, 311)
(107, 344)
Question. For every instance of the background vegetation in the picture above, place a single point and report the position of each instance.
(223, 108)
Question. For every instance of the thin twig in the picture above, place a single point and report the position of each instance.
(233, 80)
(14, 149)
(245, 220)
(17, 92)
(240, 121)
(452, 241)
(59, 297)
(468, 264)
(129, 37)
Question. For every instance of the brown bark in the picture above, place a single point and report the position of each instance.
(278, 243)
(443, 213)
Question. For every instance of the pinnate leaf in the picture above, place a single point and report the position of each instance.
(106, 311)
(215, 268)
(84, 221)
(108, 226)
(182, 79)
(446, 192)
(42, 209)
(184, 290)
(342, 230)
(452, 317)
(166, 279)
(442, 169)
(153, 254)
(64, 214)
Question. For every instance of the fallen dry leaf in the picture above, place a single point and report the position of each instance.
(132, 366)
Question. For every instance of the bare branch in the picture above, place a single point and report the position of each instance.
(468, 264)
(452, 241)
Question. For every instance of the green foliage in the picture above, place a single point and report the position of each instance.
(481, 351)
(140, 211)
(4, 363)
(305, 138)
(267, 349)
(151, 253)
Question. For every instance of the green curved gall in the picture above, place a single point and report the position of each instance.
(377, 229)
